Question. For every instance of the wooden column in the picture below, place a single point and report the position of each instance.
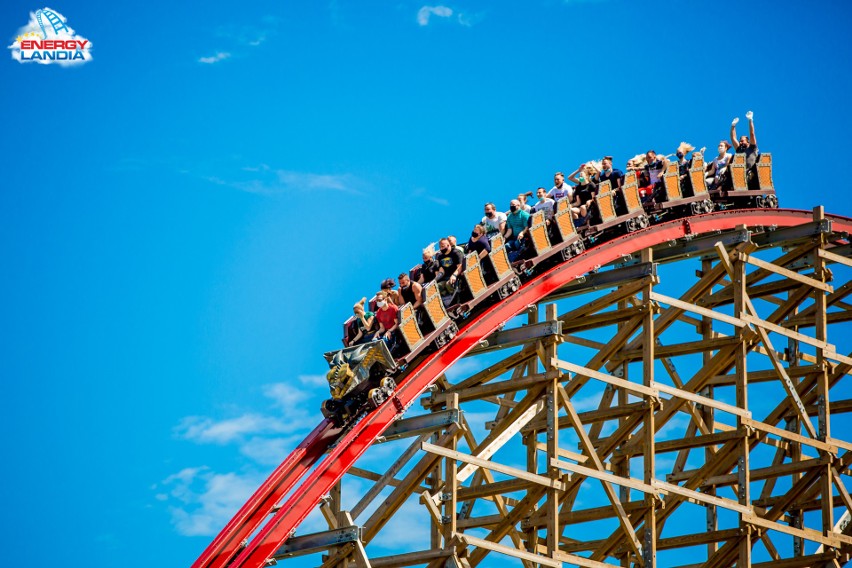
(708, 415)
(552, 411)
(622, 466)
(531, 442)
(823, 404)
(450, 484)
(649, 546)
(744, 481)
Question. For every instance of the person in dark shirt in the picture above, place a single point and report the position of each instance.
(607, 173)
(654, 168)
(585, 189)
(450, 261)
(478, 242)
(748, 146)
(429, 268)
(409, 292)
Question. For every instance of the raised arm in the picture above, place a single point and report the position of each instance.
(750, 117)
(572, 178)
(734, 142)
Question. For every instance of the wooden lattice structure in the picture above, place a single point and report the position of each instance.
(691, 397)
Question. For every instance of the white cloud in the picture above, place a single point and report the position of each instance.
(206, 500)
(268, 181)
(200, 500)
(220, 56)
(426, 12)
(208, 431)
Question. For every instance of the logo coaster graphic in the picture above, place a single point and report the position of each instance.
(47, 38)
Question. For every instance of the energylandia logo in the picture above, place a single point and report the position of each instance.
(47, 38)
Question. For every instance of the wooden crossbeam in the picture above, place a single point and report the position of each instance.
(493, 466)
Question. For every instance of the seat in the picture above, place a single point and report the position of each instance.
(433, 306)
(408, 328)
(671, 181)
(538, 233)
(696, 175)
(605, 201)
(564, 219)
(632, 199)
(499, 257)
(764, 172)
(737, 171)
(473, 276)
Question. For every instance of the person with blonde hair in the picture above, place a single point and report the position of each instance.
(364, 320)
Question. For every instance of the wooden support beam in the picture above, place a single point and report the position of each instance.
(492, 466)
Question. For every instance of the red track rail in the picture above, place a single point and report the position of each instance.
(309, 493)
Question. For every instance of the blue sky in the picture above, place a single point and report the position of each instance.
(187, 218)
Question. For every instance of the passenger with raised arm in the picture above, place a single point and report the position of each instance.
(607, 173)
(387, 318)
(746, 145)
(560, 189)
(478, 242)
(516, 222)
(522, 199)
(364, 320)
(635, 164)
(450, 261)
(387, 288)
(718, 167)
(494, 221)
(409, 292)
(429, 268)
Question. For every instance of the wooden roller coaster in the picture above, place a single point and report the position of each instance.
(678, 392)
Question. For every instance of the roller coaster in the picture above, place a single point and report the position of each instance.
(775, 487)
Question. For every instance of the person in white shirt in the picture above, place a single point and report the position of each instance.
(560, 189)
(494, 221)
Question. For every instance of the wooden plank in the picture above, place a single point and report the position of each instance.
(410, 558)
(492, 466)
(786, 273)
(498, 437)
(580, 561)
(630, 482)
(686, 306)
(615, 381)
(791, 436)
(698, 399)
(701, 497)
(493, 389)
(834, 540)
(788, 333)
(509, 551)
(389, 476)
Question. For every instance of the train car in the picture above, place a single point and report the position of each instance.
(748, 189)
(680, 198)
(361, 377)
(558, 240)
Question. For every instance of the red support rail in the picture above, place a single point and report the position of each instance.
(356, 441)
